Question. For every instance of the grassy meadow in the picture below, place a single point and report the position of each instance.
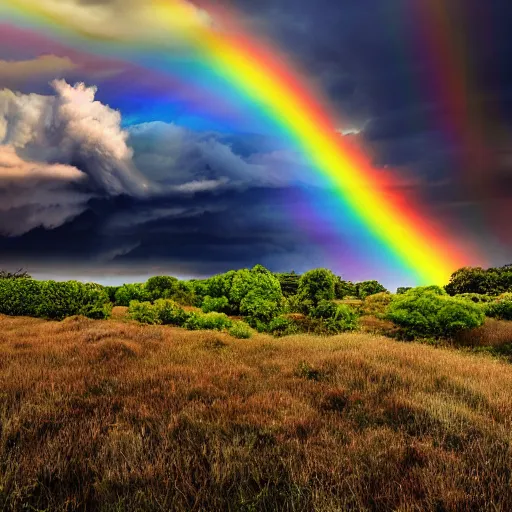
(113, 415)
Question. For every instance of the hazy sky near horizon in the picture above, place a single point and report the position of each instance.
(155, 186)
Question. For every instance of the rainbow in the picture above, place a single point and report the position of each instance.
(263, 80)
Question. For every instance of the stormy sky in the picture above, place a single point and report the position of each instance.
(155, 185)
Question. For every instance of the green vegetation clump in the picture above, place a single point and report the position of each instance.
(491, 281)
(500, 308)
(170, 313)
(283, 326)
(19, 297)
(217, 304)
(143, 312)
(315, 286)
(336, 318)
(240, 330)
(208, 321)
(130, 292)
(53, 300)
(430, 312)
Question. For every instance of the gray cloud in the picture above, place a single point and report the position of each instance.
(34, 194)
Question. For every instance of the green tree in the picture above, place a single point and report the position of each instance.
(255, 285)
(314, 286)
(162, 287)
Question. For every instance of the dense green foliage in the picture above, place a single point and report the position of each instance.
(491, 281)
(53, 300)
(19, 297)
(170, 313)
(315, 286)
(430, 312)
(161, 287)
(240, 330)
(336, 317)
(130, 292)
(208, 321)
(143, 312)
(218, 304)
(500, 308)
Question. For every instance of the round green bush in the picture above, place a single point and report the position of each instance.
(431, 312)
(170, 313)
(143, 312)
(240, 330)
(208, 321)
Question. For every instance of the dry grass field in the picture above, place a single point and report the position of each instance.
(110, 415)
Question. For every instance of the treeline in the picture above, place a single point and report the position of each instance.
(317, 301)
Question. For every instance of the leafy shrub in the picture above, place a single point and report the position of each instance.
(335, 318)
(170, 313)
(403, 289)
(143, 312)
(19, 297)
(314, 286)
(430, 312)
(58, 300)
(217, 304)
(324, 309)
(501, 308)
(129, 292)
(291, 304)
(255, 307)
(367, 288)
(220, 285)
(282, 326)
(213, 321)
(240, 330)
(53, 300)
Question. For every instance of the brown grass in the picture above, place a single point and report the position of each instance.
(110, 415)
(493, 333)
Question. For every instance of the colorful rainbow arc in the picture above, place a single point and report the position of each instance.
(421, 247)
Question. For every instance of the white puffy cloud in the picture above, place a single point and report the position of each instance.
(34, 194)
(72, 128)
(56, 153)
